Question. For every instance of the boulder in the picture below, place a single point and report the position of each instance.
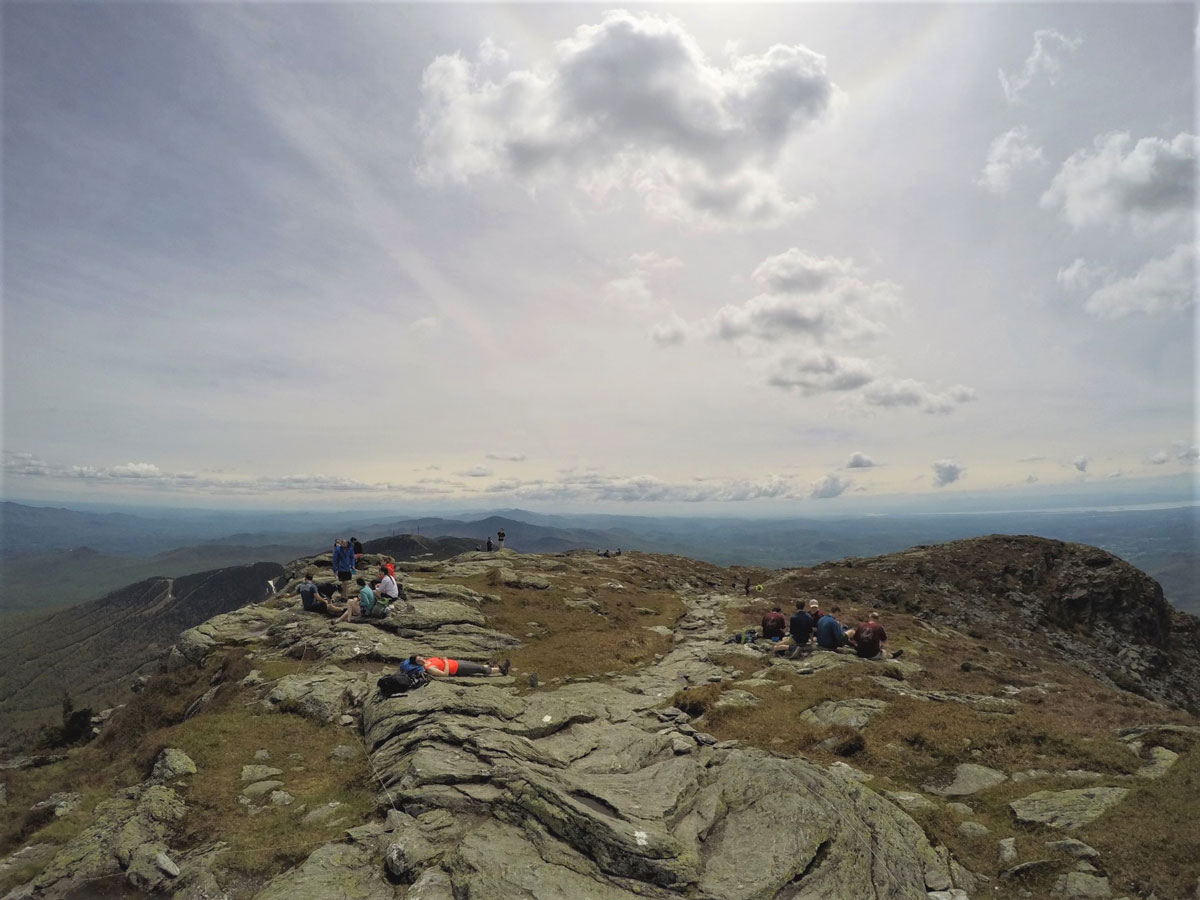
(1066, 809)
(851, 713)
(1161, 759)
(259, 773)
(1082, 884)
(1008, 851)
(171, 765)
(344, 871)
(324, 695)
(1073, 848)
(261, 788)
(969, 778)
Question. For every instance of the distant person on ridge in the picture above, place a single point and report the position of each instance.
(489, 544)
(444, 667)
(830, 633)
(747, 587)
(500, 538)
(774, 625)
(869, 638)
(357, 545)
(343, 564)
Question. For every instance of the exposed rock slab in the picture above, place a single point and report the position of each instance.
(1066, 809)
(850, 713)
(324, 695)
(969, 778)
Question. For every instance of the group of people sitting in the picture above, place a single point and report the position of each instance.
(811, 625)
(373, 600)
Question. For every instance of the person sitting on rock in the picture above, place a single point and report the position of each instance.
(869, 637)
(313, 599)
(814, 611)
(388, 591)
(358, 607)
(830, 633)
(774, 626)
(444, 666)
(800, 626)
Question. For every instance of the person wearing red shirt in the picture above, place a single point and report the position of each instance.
(869, 638)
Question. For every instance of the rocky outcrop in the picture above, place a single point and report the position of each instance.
(128, 836)
(1066, 809)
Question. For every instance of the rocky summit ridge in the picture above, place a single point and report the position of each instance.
(1046, 693)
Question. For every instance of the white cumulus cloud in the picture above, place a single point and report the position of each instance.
(1080, 463)
(476, 472)
(1046, 59)
(820, 371)
(632, 102)
(860, 460)
(1149, 184)
(1009, 153)
(946, 471)
(507, 457)
(827, 487)
(1160, 286)
(908, 392)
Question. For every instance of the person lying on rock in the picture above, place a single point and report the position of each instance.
(868, 639)
(444, 666)
(800, 626)
(830, 633)
(314, 599)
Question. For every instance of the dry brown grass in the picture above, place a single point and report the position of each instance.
(559, 641)
(1150, 840)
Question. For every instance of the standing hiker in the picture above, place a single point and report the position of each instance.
(343, 564)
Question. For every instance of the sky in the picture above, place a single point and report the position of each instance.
(709, 257)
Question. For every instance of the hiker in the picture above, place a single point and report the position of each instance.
(389, 567)
(357, 607)
(500, 538)
(830, 633)
(489, 544)
(800, 627)
(747, 587)
(618, 553)
(311, 597)
(444, 666)
(357, 547)
(868, 639)
(388, 591)
(814, 612)
(343, 564)
(774, 625)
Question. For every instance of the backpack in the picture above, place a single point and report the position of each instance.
(400, 683)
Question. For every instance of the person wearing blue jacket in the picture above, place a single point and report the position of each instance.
(830, 633)
(343, 563)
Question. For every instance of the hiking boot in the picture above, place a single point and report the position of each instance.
(896, 654)
(504, 666)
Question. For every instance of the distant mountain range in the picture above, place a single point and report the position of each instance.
(112, 549)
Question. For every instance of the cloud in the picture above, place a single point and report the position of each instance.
(946, 471)
(1031, 479)
(1159, 458)
(1080, 463)
(819, 372)
(633, 289)
(860, 460)
(1185, 452)
(1009, 153)
(1160, 286)
(1036, 457)
(424, 327)
(597, 487)
(1149, 185)
(1049, 48)
(829, 486)
(1081, 275)
(669, 333)
(815, 306)
(506, 457)
(630, 103)
(819, 298)
(475, 472)
(1115, 474)
(907, 392)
